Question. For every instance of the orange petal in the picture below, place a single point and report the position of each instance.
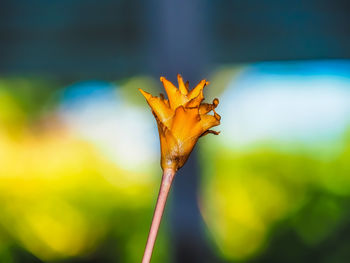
(159, 107)
(183, 89)
(185, 124)
(195, 92)
(209, 121)
(168, 146)
(175, 97)
(195, 102)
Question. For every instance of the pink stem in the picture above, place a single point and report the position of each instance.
(167, 179)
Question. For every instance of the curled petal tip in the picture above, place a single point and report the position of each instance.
(210, 131)
(162, 78)
(214, 132)
(204, 82)
(215, 102)
(217, 116)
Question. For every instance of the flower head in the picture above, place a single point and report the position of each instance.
(181, 119)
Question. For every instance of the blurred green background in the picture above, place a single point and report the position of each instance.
(79, 149)
(80, 170)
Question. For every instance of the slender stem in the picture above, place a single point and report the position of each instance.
(167, 179)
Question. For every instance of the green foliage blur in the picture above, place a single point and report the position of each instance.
(267, 204)
(60, 199)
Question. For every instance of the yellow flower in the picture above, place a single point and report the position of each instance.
(181, 119)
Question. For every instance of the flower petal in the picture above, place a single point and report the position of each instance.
(196, 91)
(184, 125)
(182, 87)
(175, 97)
(195, 102)
(209, 121)
(159, 107)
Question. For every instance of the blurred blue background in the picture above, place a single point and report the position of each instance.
(79, 150)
